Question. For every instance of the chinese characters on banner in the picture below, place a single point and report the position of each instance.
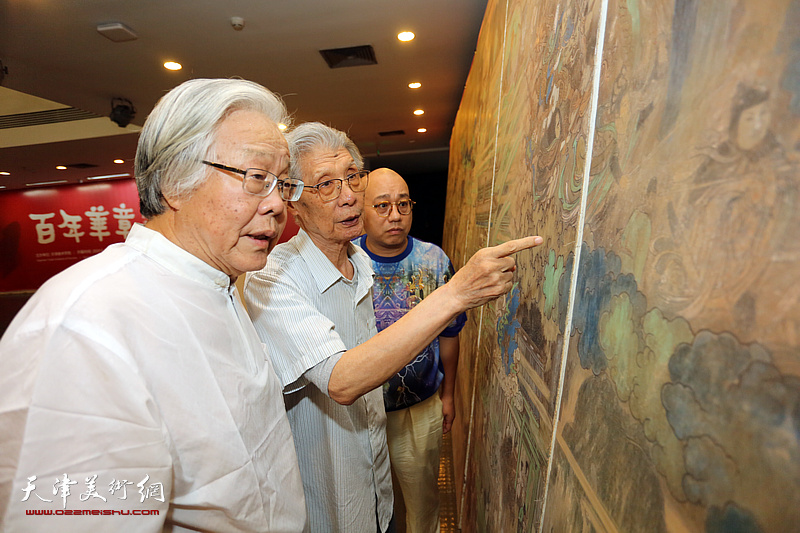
(44, 231)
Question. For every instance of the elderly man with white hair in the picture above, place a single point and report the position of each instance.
(316, 291)
(134, 390)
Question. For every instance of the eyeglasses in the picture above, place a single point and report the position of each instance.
(404, 207)
(262, 182)
(331, 189)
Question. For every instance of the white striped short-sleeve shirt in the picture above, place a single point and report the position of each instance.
(306, 313)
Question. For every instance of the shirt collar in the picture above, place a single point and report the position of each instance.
(325, 273)
(175, 259)
(362, 242)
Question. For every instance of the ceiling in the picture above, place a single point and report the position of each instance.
(62, 74)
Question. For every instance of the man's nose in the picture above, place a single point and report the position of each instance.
(347, 195)
(394, 213)
(272, 204)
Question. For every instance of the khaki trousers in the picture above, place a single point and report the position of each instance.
(414, 437)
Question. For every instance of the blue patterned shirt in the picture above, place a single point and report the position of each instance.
(400, 283)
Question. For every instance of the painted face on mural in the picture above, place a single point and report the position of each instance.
(753, 126)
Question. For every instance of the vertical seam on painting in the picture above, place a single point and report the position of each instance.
(467, 455)
(598, 60)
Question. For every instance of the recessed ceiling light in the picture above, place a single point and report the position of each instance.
(422, 130)
(414, 85)
(281, 126)
(172, 65)
(405, 36)
(61, 167)
(4, 173)
(119, 161)
(419, 112)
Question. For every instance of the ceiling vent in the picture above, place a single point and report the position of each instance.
(81, 165)
(38, 118)
(391, 133)
(354, 56)
(117, 32)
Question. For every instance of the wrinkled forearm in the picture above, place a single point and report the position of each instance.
(372, 363)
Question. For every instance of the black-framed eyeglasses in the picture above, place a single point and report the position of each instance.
(330, 190)
(262, 182)
(404, 207)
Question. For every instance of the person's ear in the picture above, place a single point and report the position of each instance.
(173, 202)
(294, 212)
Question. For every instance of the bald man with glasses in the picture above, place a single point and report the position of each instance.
(312, 307)
(419, 401)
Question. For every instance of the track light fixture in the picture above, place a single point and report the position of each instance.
(122, 111)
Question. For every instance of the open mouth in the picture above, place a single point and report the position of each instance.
(351, 221)
(263, 237)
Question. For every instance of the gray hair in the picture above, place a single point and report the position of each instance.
(181, 130)
(311, 136)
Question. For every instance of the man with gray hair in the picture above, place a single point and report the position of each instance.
(134, 383)
(317, 290)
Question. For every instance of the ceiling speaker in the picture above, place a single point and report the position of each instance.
(122, 112)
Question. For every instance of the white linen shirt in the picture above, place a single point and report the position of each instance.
(342, 449)
(137, 364)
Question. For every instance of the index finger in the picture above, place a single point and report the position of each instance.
(511, 247)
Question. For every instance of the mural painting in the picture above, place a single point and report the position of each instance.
(678, 404)
(471, 161)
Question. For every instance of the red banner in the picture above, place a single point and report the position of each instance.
(290, 230)
(43, 231)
